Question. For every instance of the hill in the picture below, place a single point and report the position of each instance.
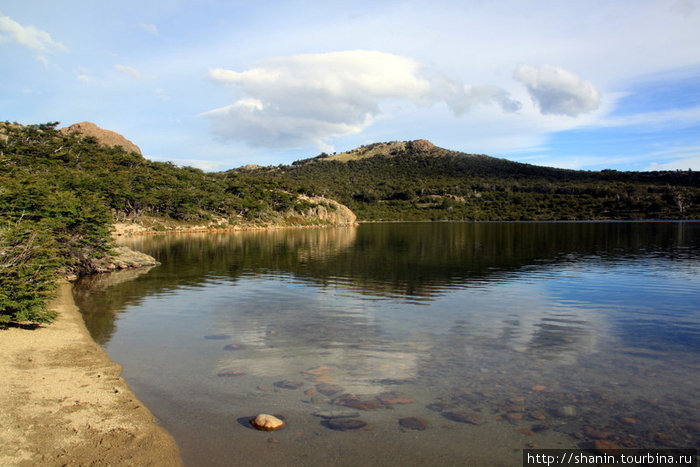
(104, 137)
(417, 180)
(61, 191)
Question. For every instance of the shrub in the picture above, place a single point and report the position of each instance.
(29, 262)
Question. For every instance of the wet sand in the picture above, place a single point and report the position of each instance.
(63, 402)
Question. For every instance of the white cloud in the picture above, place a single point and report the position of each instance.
(306, 99)
(27, 36)
(128, 70)
(557, 91)
(149, 28)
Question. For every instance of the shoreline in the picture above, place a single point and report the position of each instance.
(123, 230)
(126, 230)
(63, 401)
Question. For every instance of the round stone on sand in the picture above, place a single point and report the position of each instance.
(266, 422)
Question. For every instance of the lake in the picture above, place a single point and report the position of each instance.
(411, 344)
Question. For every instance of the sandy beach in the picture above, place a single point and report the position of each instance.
(63, 402)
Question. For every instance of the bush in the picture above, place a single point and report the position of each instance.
(29, 262)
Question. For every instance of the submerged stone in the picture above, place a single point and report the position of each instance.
(395, 398)
(234, 347)
(328, 389)
(350, 400)
(414, 423)
(266, 422)
(330, 414)
(345, 424)
(465, 417)
(439, 406)
(288, 384)
(567, 411)
(217, 337)
(317, 371)
(230, 374)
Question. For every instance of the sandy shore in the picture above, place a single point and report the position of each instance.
(63, 402)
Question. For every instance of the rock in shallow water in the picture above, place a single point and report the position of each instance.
(328, 389)
(266, 422)
(414, 423)
(328, 414)
(234, 347)
(350, 400)
(567, 411)
(345, 424)
(230, 374)
(395, 398)
(465, 417)
(288, 384)
(217, 337)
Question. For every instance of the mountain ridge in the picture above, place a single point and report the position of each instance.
(416, 180)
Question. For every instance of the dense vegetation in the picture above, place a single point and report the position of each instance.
(60, 194)
(398, 181)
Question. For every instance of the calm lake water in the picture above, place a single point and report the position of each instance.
(463, 343)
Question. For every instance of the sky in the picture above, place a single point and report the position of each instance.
(215, 84)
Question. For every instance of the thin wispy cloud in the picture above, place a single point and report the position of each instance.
(128, 70)
(149, 28)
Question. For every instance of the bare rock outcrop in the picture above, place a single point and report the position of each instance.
(121, 257)
(329, 210)
(104, 137)
(420, 145)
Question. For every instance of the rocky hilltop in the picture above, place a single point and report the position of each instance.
(104, 137)
(390, 149)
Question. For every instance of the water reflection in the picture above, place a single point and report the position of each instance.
(503, 327)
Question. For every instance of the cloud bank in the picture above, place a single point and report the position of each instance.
(307, 99)
(557, 91)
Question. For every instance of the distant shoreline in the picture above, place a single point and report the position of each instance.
(120, 232)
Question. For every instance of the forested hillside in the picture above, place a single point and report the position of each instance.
(60, 193)
(419, 181)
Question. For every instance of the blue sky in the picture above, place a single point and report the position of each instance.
(219, 84)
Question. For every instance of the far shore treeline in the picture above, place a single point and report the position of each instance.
(61, 192)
